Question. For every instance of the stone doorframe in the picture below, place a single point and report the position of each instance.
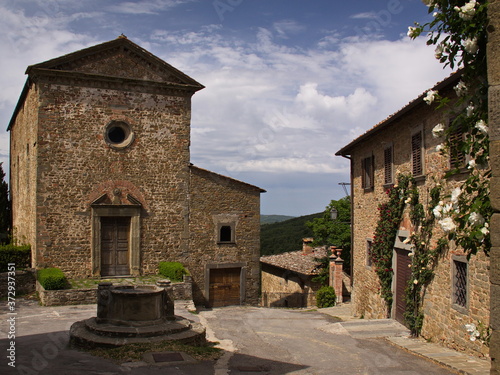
(211, 266)
(134, 212)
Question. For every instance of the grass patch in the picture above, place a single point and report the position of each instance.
(134, 352)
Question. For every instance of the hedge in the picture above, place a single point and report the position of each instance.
(172, 270)
(325, 297)
(19, 255)
(52, 278)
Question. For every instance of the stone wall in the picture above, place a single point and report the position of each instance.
(285, 288)
(493, 56)
(23, 170)
(217, 200)
(66, 296)
(443, 323)
(24, 283)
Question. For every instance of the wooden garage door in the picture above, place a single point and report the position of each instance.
(114, 246)
(224, 287)
(403, 274)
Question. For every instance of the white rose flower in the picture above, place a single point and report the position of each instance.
(447, 225)
(482, 127)
(470, 45)
(412, 32)
(470, 110)
(461, 89)
(415, 281)
(430, 96)
(455, 194)
(476, 219)
(485, 230)
(437, 211)
(438, 52)
(440, 148)
(438, 130)
(470, 327)
(471, 164)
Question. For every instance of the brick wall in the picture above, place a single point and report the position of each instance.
(443, 323)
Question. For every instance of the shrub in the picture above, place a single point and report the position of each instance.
(172, 270)
(325, 297)
(19, 255)
(52, 278)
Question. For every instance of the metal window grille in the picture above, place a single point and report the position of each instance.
(460, 283)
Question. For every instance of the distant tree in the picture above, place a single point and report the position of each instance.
(5, 208)
(335, 232)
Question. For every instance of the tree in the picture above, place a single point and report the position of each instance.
(5, 208)
(335, 232)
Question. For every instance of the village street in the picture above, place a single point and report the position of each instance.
(256, 341)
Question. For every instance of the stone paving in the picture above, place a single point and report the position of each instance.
(398, 335)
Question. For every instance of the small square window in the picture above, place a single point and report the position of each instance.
(226, 233)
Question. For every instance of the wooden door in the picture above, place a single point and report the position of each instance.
(224, 289)
(114, 246)
(403, 274)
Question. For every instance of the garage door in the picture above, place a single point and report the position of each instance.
(224, 287)
(403, 274)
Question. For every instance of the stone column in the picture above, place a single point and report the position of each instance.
(493, 60)
(336, 272)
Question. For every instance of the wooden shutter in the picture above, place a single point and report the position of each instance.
(416, 154)
(388, 165)
(368, 166)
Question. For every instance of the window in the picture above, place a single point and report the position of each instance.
(369, 245)
(388, 162)
(368, 172)
(417, 162)
(226, 233)
(457, 156)
(460, 282)
(118, 134)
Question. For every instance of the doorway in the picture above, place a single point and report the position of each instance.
(115, 234)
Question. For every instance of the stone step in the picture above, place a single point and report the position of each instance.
(111, 330)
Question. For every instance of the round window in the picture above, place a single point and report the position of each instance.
(118, 134)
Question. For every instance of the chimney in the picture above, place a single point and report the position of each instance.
(306, 246)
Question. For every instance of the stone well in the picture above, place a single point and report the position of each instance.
(135, 314)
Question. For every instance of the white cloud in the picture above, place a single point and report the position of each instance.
(145, 7)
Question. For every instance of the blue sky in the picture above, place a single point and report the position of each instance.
(288, 82)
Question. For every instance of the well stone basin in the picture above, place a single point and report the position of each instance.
(134, 305)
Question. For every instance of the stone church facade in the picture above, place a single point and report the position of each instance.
(101, 179)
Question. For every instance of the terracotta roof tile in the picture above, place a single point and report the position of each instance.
(297, 261)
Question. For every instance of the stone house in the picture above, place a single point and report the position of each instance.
(101, 179)
(403, 143)
(287, 278)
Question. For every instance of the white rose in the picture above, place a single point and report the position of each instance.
(438, 130)
(471, 164)
(455, 194)
(430, 96)
(482, 127)
(447, 224)
(437, 211)
(476, 219)
(412, 32)
(460, 89)
(470, 110)
(470, 45)
(440, 148)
